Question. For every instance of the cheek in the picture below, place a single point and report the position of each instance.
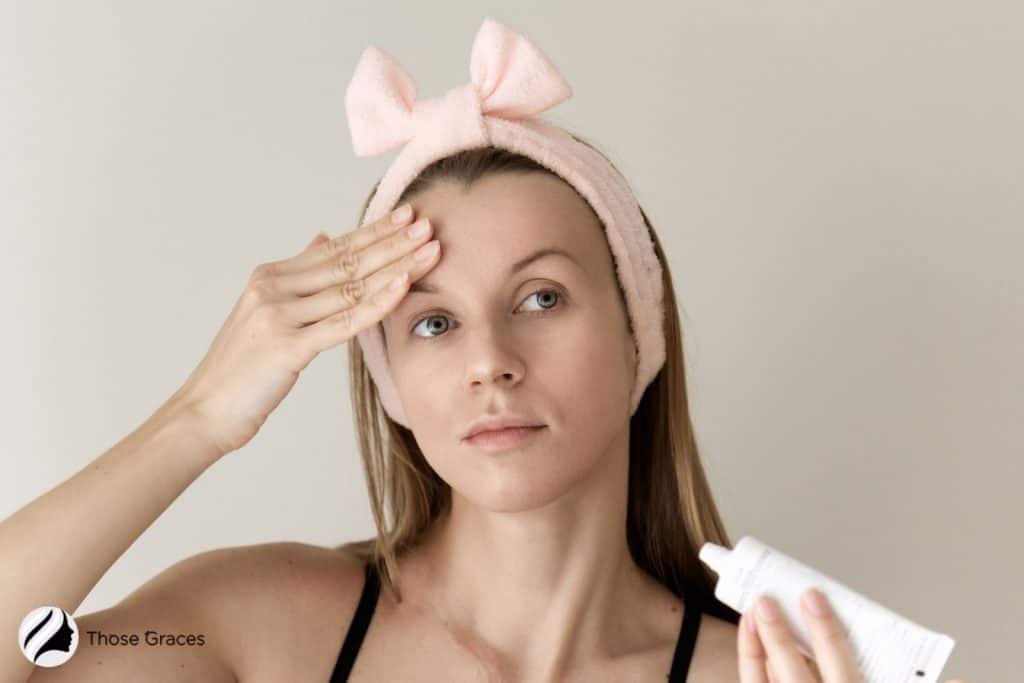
(589, 367)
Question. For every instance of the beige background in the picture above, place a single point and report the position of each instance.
(838, 188)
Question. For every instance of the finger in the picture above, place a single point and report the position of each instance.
(833, 651)
(353, 266)
(751, 654)
(345, 325)
(333, 297)
(768, 666)
(348, 242)
(813, 666)
(780, 643)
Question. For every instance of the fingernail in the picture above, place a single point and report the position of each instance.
(418, 229)
(815, 602)
(427, 251)
(401, 214)
(766, 610)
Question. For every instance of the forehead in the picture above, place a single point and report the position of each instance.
(500, 220)
(509, 215)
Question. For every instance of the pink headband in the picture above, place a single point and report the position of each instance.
(510, 82)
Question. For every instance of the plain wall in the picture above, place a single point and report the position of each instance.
(837, 187)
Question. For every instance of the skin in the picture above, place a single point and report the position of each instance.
(532, 566)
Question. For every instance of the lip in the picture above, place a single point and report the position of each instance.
(503, 439)
(498, 422)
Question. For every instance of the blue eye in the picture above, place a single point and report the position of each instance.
(443, 328)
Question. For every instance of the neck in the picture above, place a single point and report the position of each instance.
(536, 593)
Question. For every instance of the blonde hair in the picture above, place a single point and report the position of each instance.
(671, 512)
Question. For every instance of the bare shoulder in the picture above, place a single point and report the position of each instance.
(274, 610)
(261, 574)
(287, 602)
(716, 657)
(218, 615)
(272, 568)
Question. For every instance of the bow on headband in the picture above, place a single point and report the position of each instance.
(510, 78)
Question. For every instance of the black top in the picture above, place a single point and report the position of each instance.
(371, 591)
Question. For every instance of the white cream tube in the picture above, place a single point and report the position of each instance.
(888, 648)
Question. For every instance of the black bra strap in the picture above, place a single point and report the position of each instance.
(360, 623)
(687, 637)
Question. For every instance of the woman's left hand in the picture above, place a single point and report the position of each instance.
(768, 651)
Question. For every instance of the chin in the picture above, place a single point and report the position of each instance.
(510, 491)
(520, 480)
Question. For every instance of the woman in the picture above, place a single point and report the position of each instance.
(562, 549)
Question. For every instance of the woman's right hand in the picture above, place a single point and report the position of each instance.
(290, 311)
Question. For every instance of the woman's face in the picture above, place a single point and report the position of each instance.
(550, 341)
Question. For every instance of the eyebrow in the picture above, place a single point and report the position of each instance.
(422, 286)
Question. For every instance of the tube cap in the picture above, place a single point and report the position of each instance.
(714, 556)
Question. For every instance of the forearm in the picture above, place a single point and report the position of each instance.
(54, 550)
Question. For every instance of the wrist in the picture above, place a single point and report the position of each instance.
(181, 417)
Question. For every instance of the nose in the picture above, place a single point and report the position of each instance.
(491, 362)
(502, 378)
